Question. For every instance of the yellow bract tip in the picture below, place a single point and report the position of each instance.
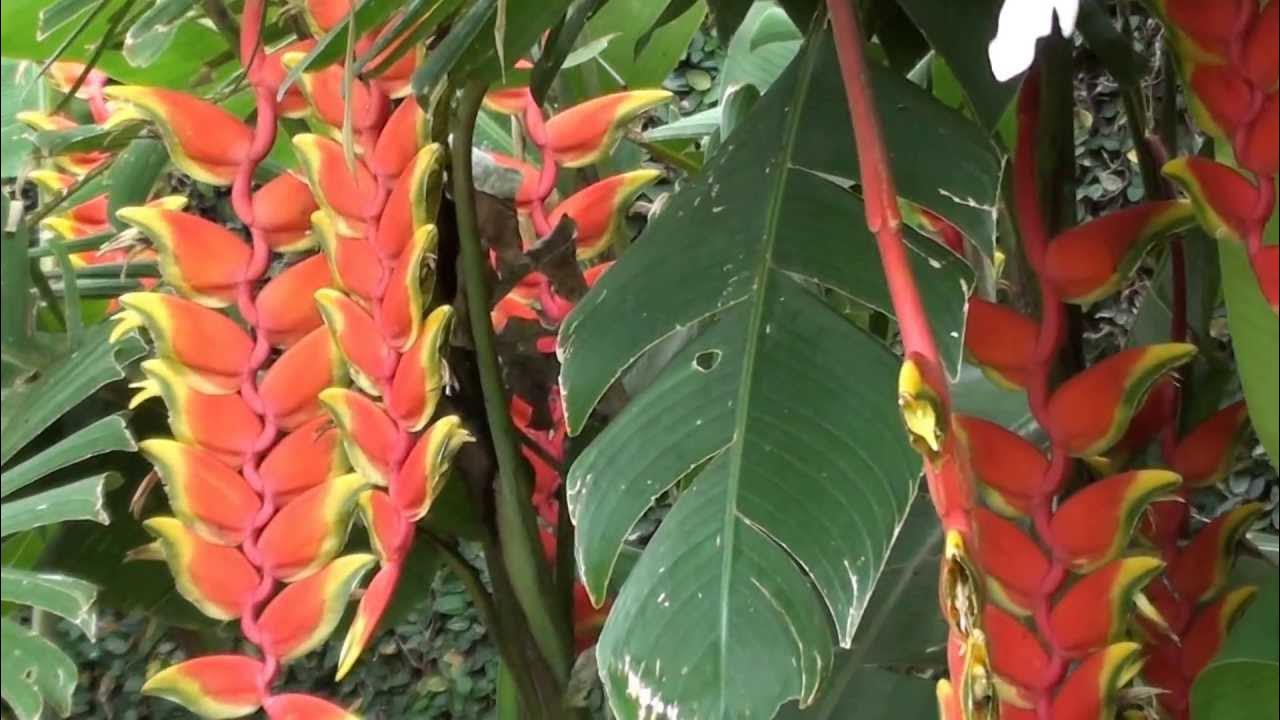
(147, 389)
(126, 321)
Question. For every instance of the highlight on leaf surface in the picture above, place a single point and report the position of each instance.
(204, 140)
(584, 133)
(1091, 411)
(215, 686)
(1092, 260)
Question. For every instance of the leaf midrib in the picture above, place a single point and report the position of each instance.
(754, 326)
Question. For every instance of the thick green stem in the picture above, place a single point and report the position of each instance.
(517, 528)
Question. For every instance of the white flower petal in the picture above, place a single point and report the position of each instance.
(1021, 24)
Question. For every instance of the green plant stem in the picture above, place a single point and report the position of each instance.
(71, 295)
(47, 294)
(517, 530)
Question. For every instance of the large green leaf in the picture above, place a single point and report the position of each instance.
(191, 47)
(80, 500)
(780, 411)
(34, 673)
(20, 90)
(65, 596)
(901, 627)
(1243, 681)
(961, 39)
(109, 434)
(31, 408)
(625, 21)
(1255, 337)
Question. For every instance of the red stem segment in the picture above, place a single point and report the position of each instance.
(879, 191)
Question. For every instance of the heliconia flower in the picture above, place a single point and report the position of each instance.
(970, 661)
(386, 526)
(217, 579)
(1201, 570)
(1222, 196)
(282, 210)
(1021, 24)
(1017, 656)
(91, 213)
(210, 350)
(290, 386)
(597, 210)
(345, 194)
(323, 89)
(212, 499)
(368, 434)
(201, 259)
(512, 100)
(372, 361)
(369, 612)
(423, 372)
(413, 279)
(214, 686)
(1008, 467)
(1090, 691)
(400, 140)
(396, 80)
(1001, 341)
(324, 15)
(294, 103)
(586, 132)
(1203, 639)
(1152, 417)
(1092, 260)
(1219, 98)
(1015, 566)
(205, 141)
(1266, 267)
(1259, 152)
(959, 595)
(1093, 526)
(296, 706)
(414, 201)
(1261, 48)
(76, 163)
(310, 531)
(304, 614)
(422, 476)
(286, 309)
(527, 193)
(62, 75)
(588, 620)
(1096, 610)
(223, 424)
(1091, 411)
(948, 701)
(353, 265)
(1205, 455)
(302, 460)
(513, 305)
(1209, 26)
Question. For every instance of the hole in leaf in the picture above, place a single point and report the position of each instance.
(707, 360)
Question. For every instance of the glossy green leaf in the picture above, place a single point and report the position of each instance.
(80, 500)
(961, 39)
(108, 434)
(20, 90)
(1255, 337)
(626, 21)
(133, 175)
(183, 62)
(67, 597)
(799, 470)
(450, 51)
(31, 408)
(559, 44)
(1243, 681)
(418, 20)
(15, 282)
(332, 47)
(526, 21)
(152, 33)
(35, 673)
(86, 138)
(62, 12)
